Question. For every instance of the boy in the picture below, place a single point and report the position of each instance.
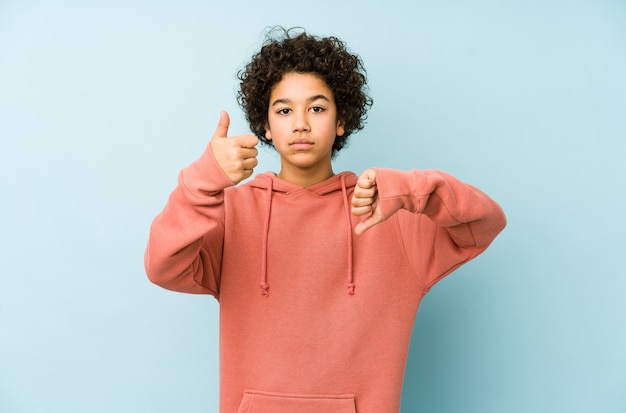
(318, 275)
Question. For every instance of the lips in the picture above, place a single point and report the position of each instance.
(301, 144)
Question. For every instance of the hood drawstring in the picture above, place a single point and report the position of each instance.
(266, 230)
(270, 189)
(350, 282)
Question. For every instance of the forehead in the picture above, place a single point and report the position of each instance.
(294, 86)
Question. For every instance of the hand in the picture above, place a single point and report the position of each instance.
(236, 155)
(365, 201)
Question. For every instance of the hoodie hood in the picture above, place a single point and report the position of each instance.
(333, 184)
(336, 183)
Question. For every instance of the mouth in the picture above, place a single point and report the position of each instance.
(301, 144)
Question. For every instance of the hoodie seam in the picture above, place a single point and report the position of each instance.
(405, 252)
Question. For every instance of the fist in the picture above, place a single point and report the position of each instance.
(365, 201)
(235, 155)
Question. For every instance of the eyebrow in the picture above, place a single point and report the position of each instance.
(311, 99)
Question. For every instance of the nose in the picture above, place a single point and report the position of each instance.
(301, 121)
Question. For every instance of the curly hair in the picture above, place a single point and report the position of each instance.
(327, 57)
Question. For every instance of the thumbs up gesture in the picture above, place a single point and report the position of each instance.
(235, 155)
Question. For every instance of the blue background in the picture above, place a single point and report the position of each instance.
(101, 104)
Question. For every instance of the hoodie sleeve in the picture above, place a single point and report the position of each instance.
(461, 221)
(184, 249)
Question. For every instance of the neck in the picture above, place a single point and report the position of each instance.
(305, 178)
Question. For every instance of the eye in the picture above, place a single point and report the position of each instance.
(283, 111)
(317, 109)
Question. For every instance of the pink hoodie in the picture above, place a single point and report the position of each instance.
(314, 318)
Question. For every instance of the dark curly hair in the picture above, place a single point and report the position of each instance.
(327, 57)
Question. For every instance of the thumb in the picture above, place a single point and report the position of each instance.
(222, 126)
(368, 223)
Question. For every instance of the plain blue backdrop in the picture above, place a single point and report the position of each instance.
(102, 103)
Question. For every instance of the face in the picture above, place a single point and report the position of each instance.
(302, 122)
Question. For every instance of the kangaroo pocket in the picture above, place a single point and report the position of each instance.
(264, 402)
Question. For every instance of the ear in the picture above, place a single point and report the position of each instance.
(268, 133)
(340, 128)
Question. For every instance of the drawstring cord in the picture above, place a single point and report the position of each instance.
(350, 282)
(264, 284)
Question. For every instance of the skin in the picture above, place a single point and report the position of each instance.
(235, 155)
(302, 124)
